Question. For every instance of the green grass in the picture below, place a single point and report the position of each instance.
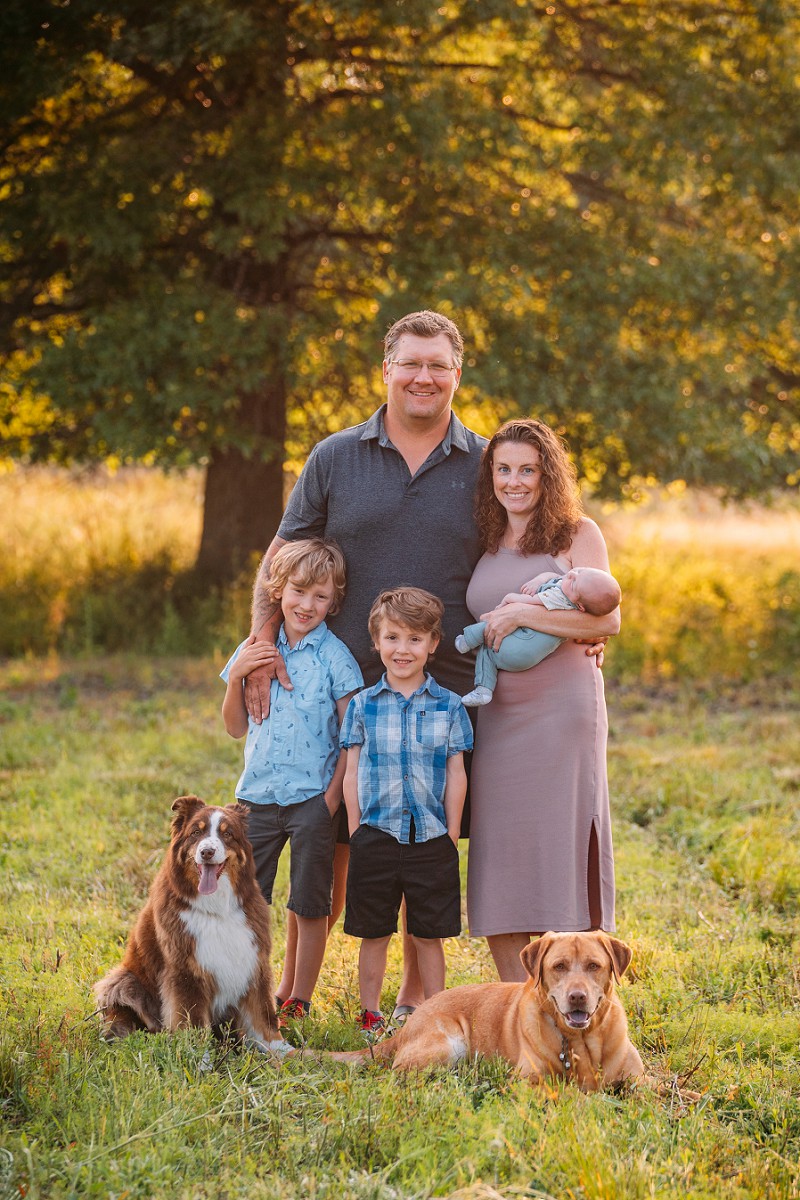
(706, 806)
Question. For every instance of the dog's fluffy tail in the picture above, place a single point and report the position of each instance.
(126, 1003)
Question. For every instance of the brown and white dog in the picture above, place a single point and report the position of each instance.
(564, 1021)
(199, 954)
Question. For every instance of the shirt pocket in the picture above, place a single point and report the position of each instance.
(432, 730)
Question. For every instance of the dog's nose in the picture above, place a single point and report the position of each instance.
(577, 999)
(207, 853)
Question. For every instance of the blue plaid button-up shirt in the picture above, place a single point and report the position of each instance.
(405, 745)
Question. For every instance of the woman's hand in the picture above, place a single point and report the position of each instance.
(501, 621)
(507, 617)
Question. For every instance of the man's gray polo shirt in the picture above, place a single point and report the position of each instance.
(394, 529)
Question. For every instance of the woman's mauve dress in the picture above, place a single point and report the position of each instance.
(539, 782)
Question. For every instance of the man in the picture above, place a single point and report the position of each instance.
(396, 494)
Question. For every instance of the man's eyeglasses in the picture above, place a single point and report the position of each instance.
(412, 367)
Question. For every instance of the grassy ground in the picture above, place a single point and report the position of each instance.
(706, 806)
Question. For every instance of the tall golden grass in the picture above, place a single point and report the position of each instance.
(97, 561)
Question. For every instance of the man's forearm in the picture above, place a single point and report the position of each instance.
(266, 620)
(265, 613)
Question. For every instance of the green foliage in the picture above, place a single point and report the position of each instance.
(90, 758)
(691, 613)
(209, 216)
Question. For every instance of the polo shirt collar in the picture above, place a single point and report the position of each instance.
(312, 639)
(375, 428)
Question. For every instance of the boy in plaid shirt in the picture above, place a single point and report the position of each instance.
(404, 789)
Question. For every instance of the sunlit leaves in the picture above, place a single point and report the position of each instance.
(604, 197)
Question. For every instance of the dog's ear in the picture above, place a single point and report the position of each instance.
(620, 954)
(183, 808)
(242, 810)
(532, 956)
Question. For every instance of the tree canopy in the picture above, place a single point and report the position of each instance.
(210, 212)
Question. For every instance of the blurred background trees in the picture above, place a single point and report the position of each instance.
(210, 213)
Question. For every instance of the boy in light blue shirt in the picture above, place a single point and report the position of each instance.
(293, 768)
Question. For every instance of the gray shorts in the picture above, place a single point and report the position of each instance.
(311, 835)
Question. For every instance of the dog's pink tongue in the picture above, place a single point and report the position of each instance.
(208, 879)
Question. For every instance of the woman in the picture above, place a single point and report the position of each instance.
(540, 852)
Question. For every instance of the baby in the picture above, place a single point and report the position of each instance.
(586, 588)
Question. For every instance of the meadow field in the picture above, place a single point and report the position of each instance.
(98, 736)
(97, 562)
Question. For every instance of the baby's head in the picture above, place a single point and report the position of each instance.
(305, 564)
(591, 590)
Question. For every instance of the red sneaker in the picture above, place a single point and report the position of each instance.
(292, 1010)
(372, 1024)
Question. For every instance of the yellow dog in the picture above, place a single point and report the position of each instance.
(564, 1021)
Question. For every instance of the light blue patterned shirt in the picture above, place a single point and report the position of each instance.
(405, 745)
(292, 755)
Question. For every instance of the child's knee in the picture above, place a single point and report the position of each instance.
(375, 945)
(432, 945)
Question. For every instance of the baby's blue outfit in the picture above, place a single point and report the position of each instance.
(521, 649)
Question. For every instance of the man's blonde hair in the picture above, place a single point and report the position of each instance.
(418, 610)
(308, 562)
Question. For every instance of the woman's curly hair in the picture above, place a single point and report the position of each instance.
(554, 521)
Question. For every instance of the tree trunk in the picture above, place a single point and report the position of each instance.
(244, 493)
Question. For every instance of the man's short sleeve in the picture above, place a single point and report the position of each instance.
(352, 733)
(306, 513)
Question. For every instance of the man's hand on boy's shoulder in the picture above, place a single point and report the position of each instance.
(257, 683)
